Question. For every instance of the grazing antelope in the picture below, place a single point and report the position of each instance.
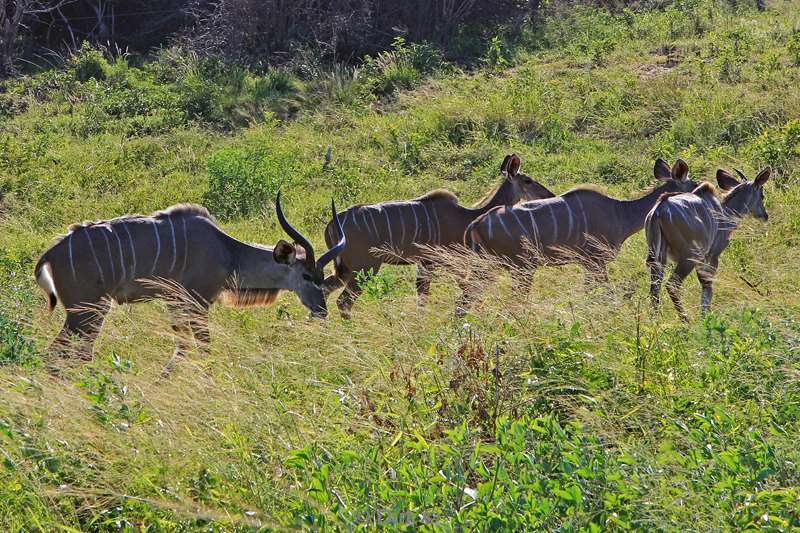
(135, 258)
(407, 227)
(694, 229)
(580, 226)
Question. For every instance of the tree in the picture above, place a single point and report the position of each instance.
(13, 14)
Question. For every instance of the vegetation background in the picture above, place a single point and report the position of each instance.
(565, 409)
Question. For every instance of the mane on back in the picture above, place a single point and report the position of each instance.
(705, 188)
(439, 194)
(177, 209)
(589, 187)
(184, 209)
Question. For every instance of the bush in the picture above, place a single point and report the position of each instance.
(402, 67)
(88, 64)
(245, 180)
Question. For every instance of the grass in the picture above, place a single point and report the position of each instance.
(565, 409)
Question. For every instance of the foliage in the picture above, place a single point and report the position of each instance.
(244, 181)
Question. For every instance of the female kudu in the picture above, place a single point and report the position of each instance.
(408, 227)
(694, 229)
(580, 226)
(135, 258)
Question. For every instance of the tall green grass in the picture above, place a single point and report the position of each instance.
(569, 408)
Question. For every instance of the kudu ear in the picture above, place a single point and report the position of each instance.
(762, 177)
(504, 164)
(513, 165)
(725, 180)
(680, 170)
(661, 170)
(284, 253)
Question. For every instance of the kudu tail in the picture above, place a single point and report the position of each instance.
(656, 245)
(472, 239)
(44, 278)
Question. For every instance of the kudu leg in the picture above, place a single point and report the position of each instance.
(80, 330)
(705, 274)
(682, 269)
(424, 275)
(349, 295)
(331, 283)
(656, 278)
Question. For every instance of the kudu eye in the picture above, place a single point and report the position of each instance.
(307, 277)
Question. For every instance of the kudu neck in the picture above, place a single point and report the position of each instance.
(734, 208)
(503, 195)
(635, 211)
(255, 268)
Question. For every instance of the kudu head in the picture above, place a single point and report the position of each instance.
(745, 196)
(675, 179)
(305, 272)
(523, 187)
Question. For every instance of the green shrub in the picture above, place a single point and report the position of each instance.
(200, 99)
(89, 63)
(402, 67)
(496, 56)
(245, 180)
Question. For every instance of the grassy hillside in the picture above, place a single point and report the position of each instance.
(568, 408)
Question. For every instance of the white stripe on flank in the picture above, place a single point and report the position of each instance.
(502, 223)
(96, 261)
(374, 225)
(416, 222)
(555, 222)
(344, 220)
(133, 250)
(535, 227)
(513, 212)
(174, 244)
(427, 221)
(438, 237)
(569, 217)
(124, 274)
(363, 214)
(158, 246)
(185, 246)
(489, 228)
(69, 250)
(388, 225)
(110, 255)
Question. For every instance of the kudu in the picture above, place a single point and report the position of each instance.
(694, 229)
(408, 228)
(581, 226)
(135, 258)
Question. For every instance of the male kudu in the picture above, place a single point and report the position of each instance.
(135, 258)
